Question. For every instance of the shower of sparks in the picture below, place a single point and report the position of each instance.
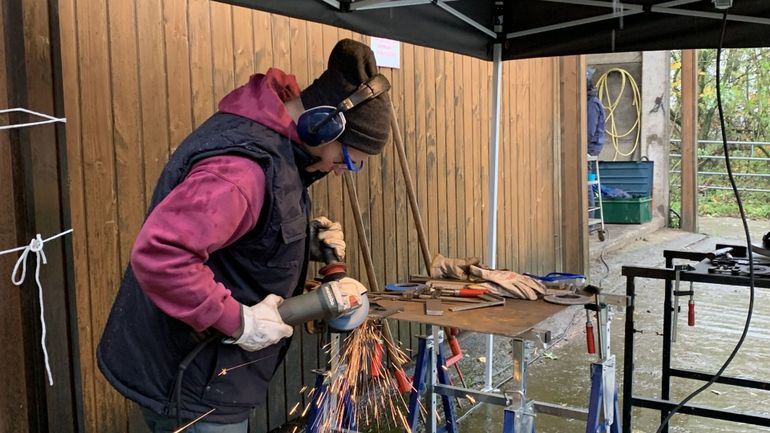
(371, 387)
(294, 409)
(189, 424)
(227, 369)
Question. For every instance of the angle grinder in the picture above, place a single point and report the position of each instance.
(341, 306)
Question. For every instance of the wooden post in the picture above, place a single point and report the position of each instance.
(574, 188)
(399, 144)
(689, 164)
(363, 242)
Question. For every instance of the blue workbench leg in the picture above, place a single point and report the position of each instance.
(349, 420)
(443, 378)
(509, 421)
(418, 382)
(597, 423)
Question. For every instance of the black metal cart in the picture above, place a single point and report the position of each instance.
(727, 265)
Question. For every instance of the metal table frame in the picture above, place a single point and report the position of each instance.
(663, 404)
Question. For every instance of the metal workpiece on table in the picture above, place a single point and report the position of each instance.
(513, 319)
(433, 307)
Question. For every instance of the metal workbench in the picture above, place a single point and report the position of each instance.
(705, 270)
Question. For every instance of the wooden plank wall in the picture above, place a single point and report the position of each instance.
(138, 76)
(32, 191)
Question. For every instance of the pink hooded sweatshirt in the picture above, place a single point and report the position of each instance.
(171, 266)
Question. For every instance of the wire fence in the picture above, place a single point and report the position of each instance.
(750, 162)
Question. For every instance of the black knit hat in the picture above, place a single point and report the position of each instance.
(367, 125)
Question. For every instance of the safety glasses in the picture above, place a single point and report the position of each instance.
(349, 164)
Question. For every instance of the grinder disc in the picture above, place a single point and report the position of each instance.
(568, 298)
(350, 321)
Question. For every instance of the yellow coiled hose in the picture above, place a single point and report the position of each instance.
(610, 103)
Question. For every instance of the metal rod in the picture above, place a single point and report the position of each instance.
(363, 242)
(363, 5)
(398, 141)
(665, 377)
(497, 68)
(480, 396)
(706, 412)
(735, 381)
(466, 19)
(628, 356)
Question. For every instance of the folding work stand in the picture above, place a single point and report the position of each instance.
(431, 377)
(704, 271)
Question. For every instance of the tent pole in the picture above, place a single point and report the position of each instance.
(497, 72)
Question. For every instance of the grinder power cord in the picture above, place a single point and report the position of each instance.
(750, 311)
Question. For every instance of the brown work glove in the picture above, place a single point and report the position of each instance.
(444, 267)
(511, 284)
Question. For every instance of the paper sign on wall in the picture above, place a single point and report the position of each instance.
(387, 52)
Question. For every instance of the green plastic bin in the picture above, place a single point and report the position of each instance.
(627, 210)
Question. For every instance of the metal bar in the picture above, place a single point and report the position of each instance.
(628, 356)
(480, 396)
(477, 306)
(665, 379)
(725, 188)
(735, 381)
(561, 411)
(466, 19)
(364, 5)
(747, 143)
(333, 3)
(519, 370)
(732, 158)
(494, 164)
(497, 73)
(711, 15)
(717, 173)
(693, 256)
(567, 24)
(612, 5)
(702, 411)
(658, 273)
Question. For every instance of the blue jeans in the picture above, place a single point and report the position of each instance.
(167, 424)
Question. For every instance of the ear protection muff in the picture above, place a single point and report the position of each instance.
(323, 124)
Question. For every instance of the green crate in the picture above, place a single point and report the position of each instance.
(627, 210)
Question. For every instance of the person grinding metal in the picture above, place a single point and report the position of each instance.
(228, 237)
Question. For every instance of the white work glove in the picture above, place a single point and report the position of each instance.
(351, 292)
(262, 325)
(514, 285)
(444, 267)
(325, 233)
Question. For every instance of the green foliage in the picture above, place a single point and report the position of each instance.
(745, 91)
(745, 88)
(722, 203)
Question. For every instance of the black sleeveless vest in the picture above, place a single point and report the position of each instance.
(141, 347)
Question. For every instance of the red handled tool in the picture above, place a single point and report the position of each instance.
(691, 312)
(590, 334)
(465, 292)
(402, 380)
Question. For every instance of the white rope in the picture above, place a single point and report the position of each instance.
(35, 246)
